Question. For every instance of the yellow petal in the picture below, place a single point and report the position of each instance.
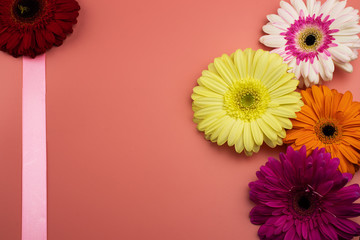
(285, 122)
(209, 121)
(261, 62)
(213, 85)
(207, 111)
(236, 132)
(282, 112)
(287, 88)
(208, 101)
(239, 145)
(266, 129)
(224, 134)
(271, 121)
(224, 71)
(205, 92)
(256, 133)
(248, 138)
(241, 64)
(269, 142)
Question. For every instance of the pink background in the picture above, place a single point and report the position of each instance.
(125, 160)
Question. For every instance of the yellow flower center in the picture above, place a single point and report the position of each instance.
(328, 131)
(246, 99)
(309, 39)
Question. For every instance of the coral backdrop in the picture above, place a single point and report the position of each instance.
(125, 160)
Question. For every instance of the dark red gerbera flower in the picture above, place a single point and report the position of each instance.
(31, 27)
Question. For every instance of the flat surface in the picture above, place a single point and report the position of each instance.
(125, 160)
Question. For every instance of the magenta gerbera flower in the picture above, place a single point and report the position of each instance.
(303, 197)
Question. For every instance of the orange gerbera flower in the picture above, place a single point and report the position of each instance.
(329, 120)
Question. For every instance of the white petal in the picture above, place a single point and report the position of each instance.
(305, 68)
(346, 38)
(310, 6)
(340, 21)
(286, 16)
(356, 53)
(326, 7)
(327, 68)
(292, 63)
(307, 82)
(317, 7)
(348, 31)
(273, 18)
(313, 75)
(297, 70)
(337, 10)
(273, 41)
(290, 9)
(345, 66)
(281, 51)
(300, 6)
(341, 53)
(271, 29)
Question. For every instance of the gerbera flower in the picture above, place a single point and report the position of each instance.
(328, 120)
(312, 37)
(303, 197)
(246, 99)
(30, 27)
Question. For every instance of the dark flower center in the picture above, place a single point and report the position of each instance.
(328, 130)
(26, 10)
(304, 202)
(310, 40)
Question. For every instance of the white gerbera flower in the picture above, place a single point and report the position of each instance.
(312, 37)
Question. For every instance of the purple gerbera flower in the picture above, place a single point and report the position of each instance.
(303, 197)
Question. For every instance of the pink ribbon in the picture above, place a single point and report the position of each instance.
(34, 204)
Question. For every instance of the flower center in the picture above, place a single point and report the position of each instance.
(247, 99)
(310, 40)
(328, 131)
(304, 200)
(27, 10)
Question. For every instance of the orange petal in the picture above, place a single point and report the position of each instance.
(345, 102)
(305, 138)
(307, 97)
(349, 153)
(318, 96)
(354, 142)
(309, 112)
(336, 100)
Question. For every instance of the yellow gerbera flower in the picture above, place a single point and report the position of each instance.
(246, 99)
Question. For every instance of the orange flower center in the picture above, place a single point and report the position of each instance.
(328, 131)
